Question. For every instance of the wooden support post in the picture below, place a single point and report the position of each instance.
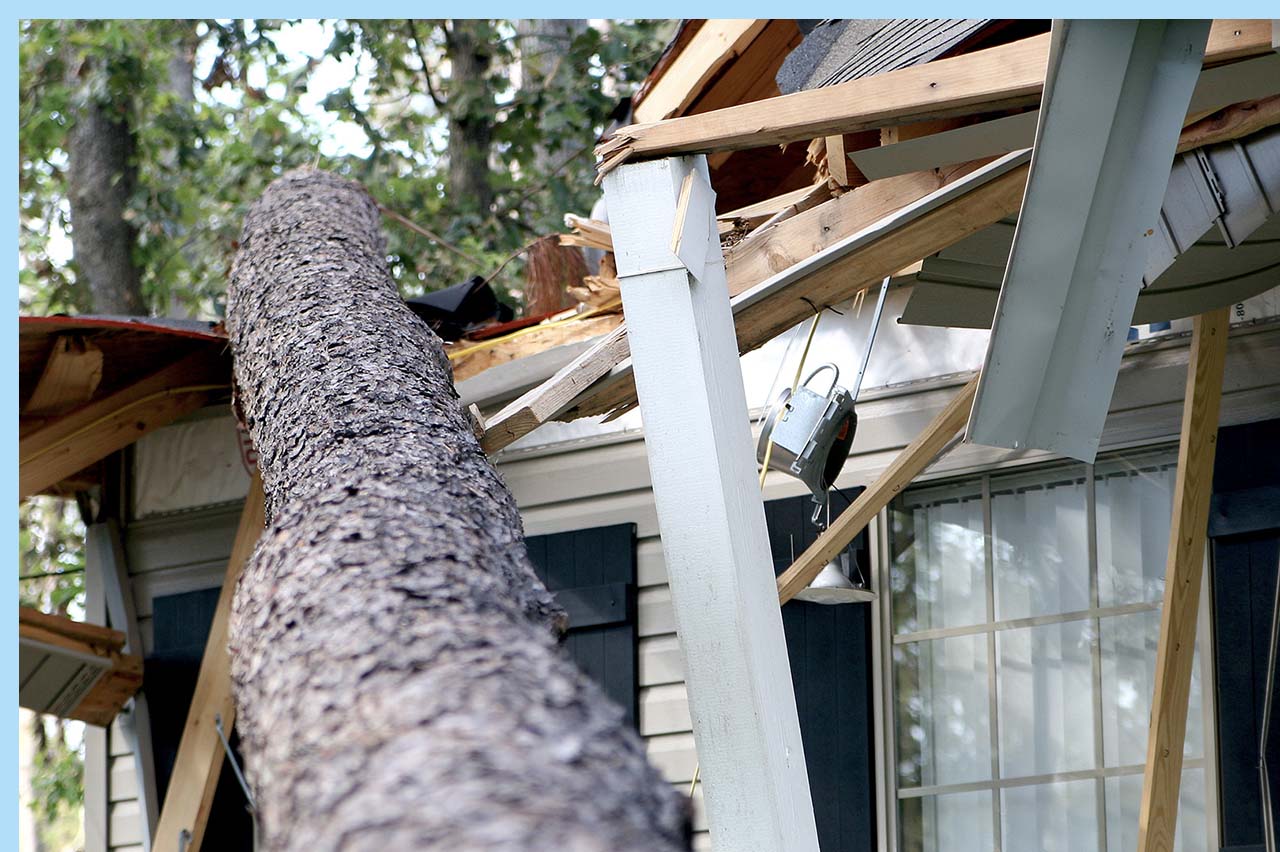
(104, 553)
(1174, 653)
(200, 755)
(714, 536)
(915, 458)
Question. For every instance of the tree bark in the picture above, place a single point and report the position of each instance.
(100, 178)
(397, 678)
(471, 115)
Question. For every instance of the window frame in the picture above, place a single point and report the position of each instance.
(888, 793)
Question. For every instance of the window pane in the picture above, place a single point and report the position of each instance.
(939, 566)
(1128, 681)
(1061, 817)
(952, 821)
(943, 718)
(1133, 513)
(1124, 799)
(1040, 548)
(1046, 699)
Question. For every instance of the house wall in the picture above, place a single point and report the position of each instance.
(578, 476)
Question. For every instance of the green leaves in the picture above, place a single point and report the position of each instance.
(259, 110)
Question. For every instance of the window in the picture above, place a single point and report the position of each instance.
(1023, 616)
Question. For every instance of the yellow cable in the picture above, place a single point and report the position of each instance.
(764, 470)
(94, 424)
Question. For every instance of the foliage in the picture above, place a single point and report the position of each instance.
(51, 572)
(257, 110)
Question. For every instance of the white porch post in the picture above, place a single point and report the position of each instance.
(689, 384)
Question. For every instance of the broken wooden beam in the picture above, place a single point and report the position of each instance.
(200, 753)
(825, 272)
(1008, 76)
(73, 669)
(94, 431)
(715, 44)
(1175, 652)
(70, 376)
(896, 477)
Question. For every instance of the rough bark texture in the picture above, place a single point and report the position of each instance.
(100, 179)
(395, 660)
(471, 115)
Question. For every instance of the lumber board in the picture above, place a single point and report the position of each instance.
(1175, 651)
(200, 754)
(70, 376)
(603, 371)
(1233, 122)
(771, 248)
(758, 212)
(1003, 77)
(905, 468)
(712, 47)
(548, 399)
(121, 673)
(94, 431)
(762, 320)
(470, 359)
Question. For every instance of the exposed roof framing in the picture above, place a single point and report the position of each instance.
(679, 78)
(1011, 75)
(835, 273)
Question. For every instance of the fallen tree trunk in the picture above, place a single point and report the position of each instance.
(397, 678)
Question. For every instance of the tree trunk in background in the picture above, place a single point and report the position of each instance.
(100, 179)
(397, 678)
(543, 44)
(471, 115)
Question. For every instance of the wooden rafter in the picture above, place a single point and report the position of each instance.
(1185, 563)
(769, 250)
(1011, 75)
(200, 754)
(92, 432)
(99, 649)
(715, 44)
(70, 377)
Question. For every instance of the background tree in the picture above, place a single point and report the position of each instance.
(472, 125)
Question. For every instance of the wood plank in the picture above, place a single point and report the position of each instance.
(1234, 122)
(758, 212)
(200, 754)
(854, 519)
(94, 431)
(713, 46)
(470, 358)
(838, 165)
(70, 376)
(1175, 652)
(64, 639)
(1011, 75)
(772, 248)
(700, 455)
(548, 399)
(761, 320)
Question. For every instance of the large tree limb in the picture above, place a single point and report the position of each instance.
(396, 673)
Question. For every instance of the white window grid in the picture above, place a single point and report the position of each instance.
(888, 793)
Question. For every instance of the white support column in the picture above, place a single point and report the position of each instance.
(697, 433)
(105, 553)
